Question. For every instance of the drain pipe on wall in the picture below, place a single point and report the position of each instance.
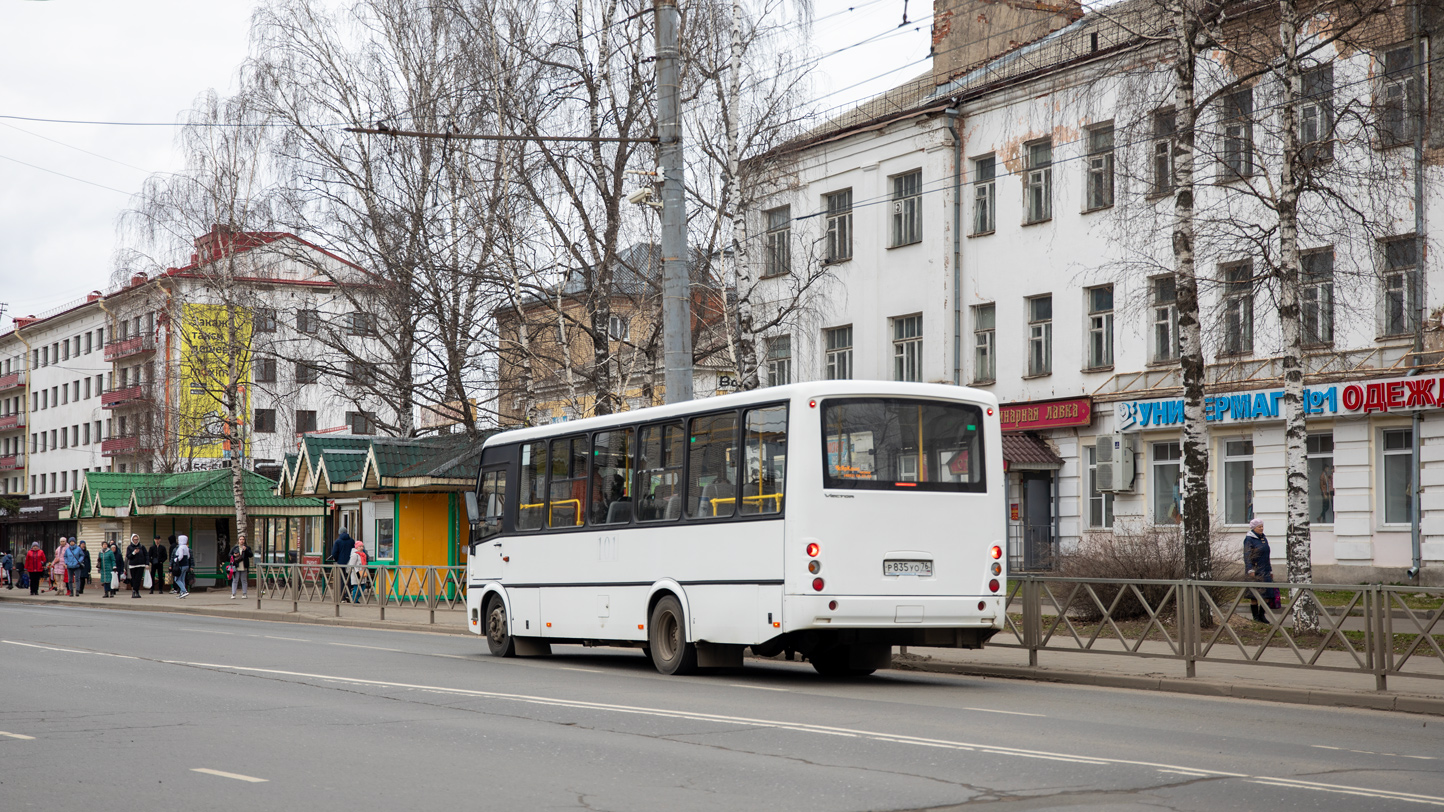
(1419, 251)
(952, 114)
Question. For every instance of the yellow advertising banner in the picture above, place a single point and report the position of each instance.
(215, 355)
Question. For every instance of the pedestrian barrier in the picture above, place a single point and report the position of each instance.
(382, 586)
(1375, 629)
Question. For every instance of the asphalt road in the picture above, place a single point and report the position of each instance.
(108, 710)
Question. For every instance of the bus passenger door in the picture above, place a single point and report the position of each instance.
(485, 559)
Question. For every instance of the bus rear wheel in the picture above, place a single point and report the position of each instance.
(498, 636)
(834, 662)
(667, 638)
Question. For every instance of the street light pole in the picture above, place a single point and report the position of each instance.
(676, 286)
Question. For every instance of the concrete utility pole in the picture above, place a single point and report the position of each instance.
(676, 284)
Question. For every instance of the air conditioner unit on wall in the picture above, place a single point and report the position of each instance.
(1115, 464)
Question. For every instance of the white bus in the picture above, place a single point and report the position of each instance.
(835, 519)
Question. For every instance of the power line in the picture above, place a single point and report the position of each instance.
(481, 137)
(69, 177)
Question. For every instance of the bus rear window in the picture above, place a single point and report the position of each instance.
(899, 444)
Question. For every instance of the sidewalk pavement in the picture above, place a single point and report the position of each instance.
(1214, 678)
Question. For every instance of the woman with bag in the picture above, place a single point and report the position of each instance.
(136, 563)
(239, 566)
(360, 574)
(1259, 566)
(109, 575)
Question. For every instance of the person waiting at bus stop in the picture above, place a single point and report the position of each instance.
(341, 557)
(1258, 565)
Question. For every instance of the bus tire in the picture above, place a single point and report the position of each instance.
(667, 638)
(498, 636)
(834, 663)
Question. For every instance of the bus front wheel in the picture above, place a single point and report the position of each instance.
(498, 636)
(667, 638)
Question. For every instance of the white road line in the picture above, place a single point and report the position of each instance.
(237, 776)
(207, 631)
(1010, 713)
(69, 650)
(756, 687)
(292, 639)
(17, 736)
(373, 648)
(559, 668)
(1374, 753)
(1289, 783)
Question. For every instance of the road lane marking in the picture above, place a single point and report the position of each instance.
(373, 648)
(237, 776)
(1010, 713)
(1373, 753)
(292, 639)
(69, 650)
(756, 687)
(208, 631)
(559, 668)
(1341, 789)
(17, 736)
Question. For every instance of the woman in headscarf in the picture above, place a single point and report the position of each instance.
(107, 568)
(34, 566)
(1258, 566)
(360, 572)
(58, 572)
(181, 563)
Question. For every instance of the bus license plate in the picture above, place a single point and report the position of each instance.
(912, 567)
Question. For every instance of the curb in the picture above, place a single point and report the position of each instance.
(1299, 696)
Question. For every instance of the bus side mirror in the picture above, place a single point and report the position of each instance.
(473, 513)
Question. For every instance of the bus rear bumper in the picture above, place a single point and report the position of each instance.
(894, 612)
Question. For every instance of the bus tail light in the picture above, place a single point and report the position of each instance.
(997, 568)
(813, 549)
(996, 552)
(993, 585)
(817, 584)
(814, 566)
(832, 605)
(982, 605)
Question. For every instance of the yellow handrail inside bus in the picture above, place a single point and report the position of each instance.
(758, 498)
(554, 504)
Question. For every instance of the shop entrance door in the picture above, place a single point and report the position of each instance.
(1038, 540)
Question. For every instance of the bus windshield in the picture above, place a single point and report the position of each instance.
(901, 444)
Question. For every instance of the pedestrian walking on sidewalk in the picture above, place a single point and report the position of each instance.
(136, 562)
(181, 564)
(107, 568)
(74, 560)
(86, 566)
(341, 557)
(57, 567)
(157, 554)
(35, 566)
(240, 565)
(1259, 566)
(8, 565)
(360, 573)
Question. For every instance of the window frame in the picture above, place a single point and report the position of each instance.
(1164, 137)
(906, 204)
(837, 356)
(1383, 455)
(1099, 167)
(1317, 106)
(907, 349)
(1238, 293)
(777, 242)
(1100, 330)
(1406, 277)
(1395, 95)
(1164, 314)
(838, 246)
(1102, 500)
(1235, 461)
(1037, 182)
(985, 341)
(1040, 334)
(1236, 148)
(1154, 464)
(779, 367)
(1316, 294)
(1310, 456)
(985, 195)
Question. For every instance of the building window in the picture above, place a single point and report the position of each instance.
(1100, 327)
(1100, 167)
(1237, 123)
(907, 348)
(985, 206)
(618, 328)
(361, 422)
(1316, 115)
(985, 343)
(89, 346)
(1238, 308)
(358, 373)
(1400, 285)
(777, 242)
(1164, 303)
(1316, 301)
(358, 324)
(305, 421)
(839, 226)
(1040, 335)
(306, 373)
(1165, 129)
(1237, 481)
(838, 342)
(264, 422)
(779, 360)
(1320, 451)
(1398, 469)
(1397, 104)
(265, 369)
(264, 319)
(907, 204)
(1166, 485)
(1100, 503)
(1038, 183)
(308, 322)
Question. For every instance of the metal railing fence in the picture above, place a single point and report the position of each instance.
(1375, 629)
(383, 586)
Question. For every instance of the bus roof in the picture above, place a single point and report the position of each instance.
(771, 394)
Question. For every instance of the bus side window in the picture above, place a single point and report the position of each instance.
(568, 483)
(712, 466)
(658, 494)
(611, 490)
(764, 464)
(493, 503)
(531, 493)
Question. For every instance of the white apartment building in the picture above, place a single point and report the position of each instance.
(101, 384)
(1004, 222)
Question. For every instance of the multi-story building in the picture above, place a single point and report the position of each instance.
(124, 380)
(1004, 221)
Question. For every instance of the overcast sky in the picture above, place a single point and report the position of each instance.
(147, 60)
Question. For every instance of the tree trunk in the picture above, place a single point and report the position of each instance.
(1291, 172)
(744, 344)
(1194, 482)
